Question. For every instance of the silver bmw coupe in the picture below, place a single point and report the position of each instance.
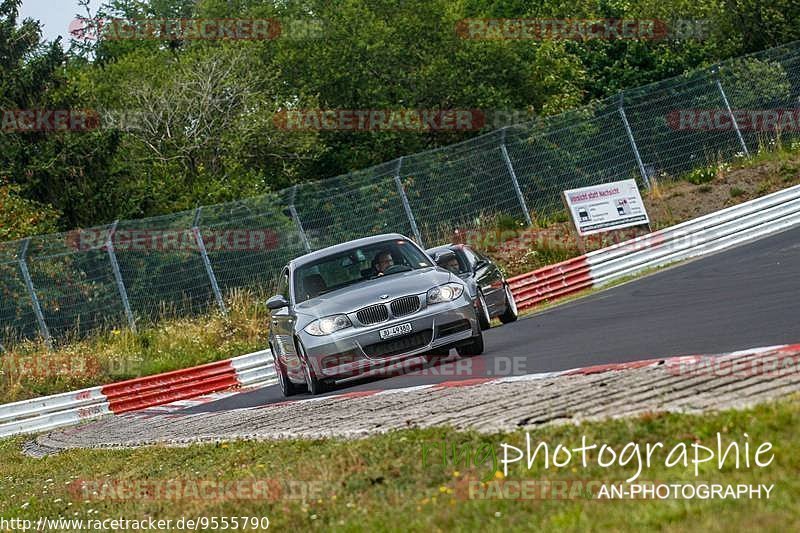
(347, 309)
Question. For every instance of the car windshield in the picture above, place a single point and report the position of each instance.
(355, 266)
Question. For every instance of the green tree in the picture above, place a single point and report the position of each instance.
(67, 170)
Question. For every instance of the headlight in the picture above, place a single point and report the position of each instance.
(445, 293)
(328, 325)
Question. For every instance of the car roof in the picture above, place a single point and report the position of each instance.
(343, 247)
(443, 247)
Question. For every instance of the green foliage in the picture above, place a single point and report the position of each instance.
(20, 217)
(191, 122)
(701, 175)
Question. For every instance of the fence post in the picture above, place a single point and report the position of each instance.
(633, 143)
(37, 308)
(406, 205)
(730, 112)
(201, 245)
(123, 294)
(514, 180)
(296, 218)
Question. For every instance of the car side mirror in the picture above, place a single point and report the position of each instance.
(479, 265)
(277, 302)
(443, 257)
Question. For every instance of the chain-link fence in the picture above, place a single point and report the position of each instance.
(134, 271)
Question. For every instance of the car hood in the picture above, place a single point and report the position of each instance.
(353, 298)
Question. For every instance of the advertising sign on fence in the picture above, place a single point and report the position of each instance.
(606, 207)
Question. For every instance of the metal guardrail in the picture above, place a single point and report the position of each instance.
(60, 410)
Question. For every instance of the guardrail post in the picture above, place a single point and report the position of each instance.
(201, 245)
(296, 218)
(730, 111)
(406, 205)
(123, 294)
(37, 308)
(642, 171)
(514, 180)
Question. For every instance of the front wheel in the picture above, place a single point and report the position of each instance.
(511, 313)
(315, 386)
(287, 387)
(484, 319)
(437, 354)
(474, 347)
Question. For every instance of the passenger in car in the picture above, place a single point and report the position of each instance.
(314, 285)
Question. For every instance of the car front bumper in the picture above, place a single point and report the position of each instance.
(354, 351)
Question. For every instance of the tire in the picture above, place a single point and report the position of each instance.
(473, 348)
(511, 314)
(437, 354)
(315, 386)
(484, 319)
(287, 387)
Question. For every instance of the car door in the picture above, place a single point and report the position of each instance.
(481, 274)
(490, 279)
(282, 324)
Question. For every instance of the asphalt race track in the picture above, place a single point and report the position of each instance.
(741, 298)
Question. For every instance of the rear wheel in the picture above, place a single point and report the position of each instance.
(511, 313)
(483, 312)
(474, 347)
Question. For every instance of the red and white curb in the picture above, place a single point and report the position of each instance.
(42, 414)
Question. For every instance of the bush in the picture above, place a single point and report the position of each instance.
(20, 217)
(700, 176)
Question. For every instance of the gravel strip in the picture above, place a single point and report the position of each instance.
(488, 407)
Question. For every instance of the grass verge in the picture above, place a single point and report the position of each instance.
(381, 483)
(29, 369)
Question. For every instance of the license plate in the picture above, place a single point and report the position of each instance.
(394, 331)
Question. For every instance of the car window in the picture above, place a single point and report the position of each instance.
(470, 255)
(463, 262)
(355, 266)
(283, 284)
(482, 256)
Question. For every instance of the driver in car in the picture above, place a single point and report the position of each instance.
(382, 262)
(452, 265)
